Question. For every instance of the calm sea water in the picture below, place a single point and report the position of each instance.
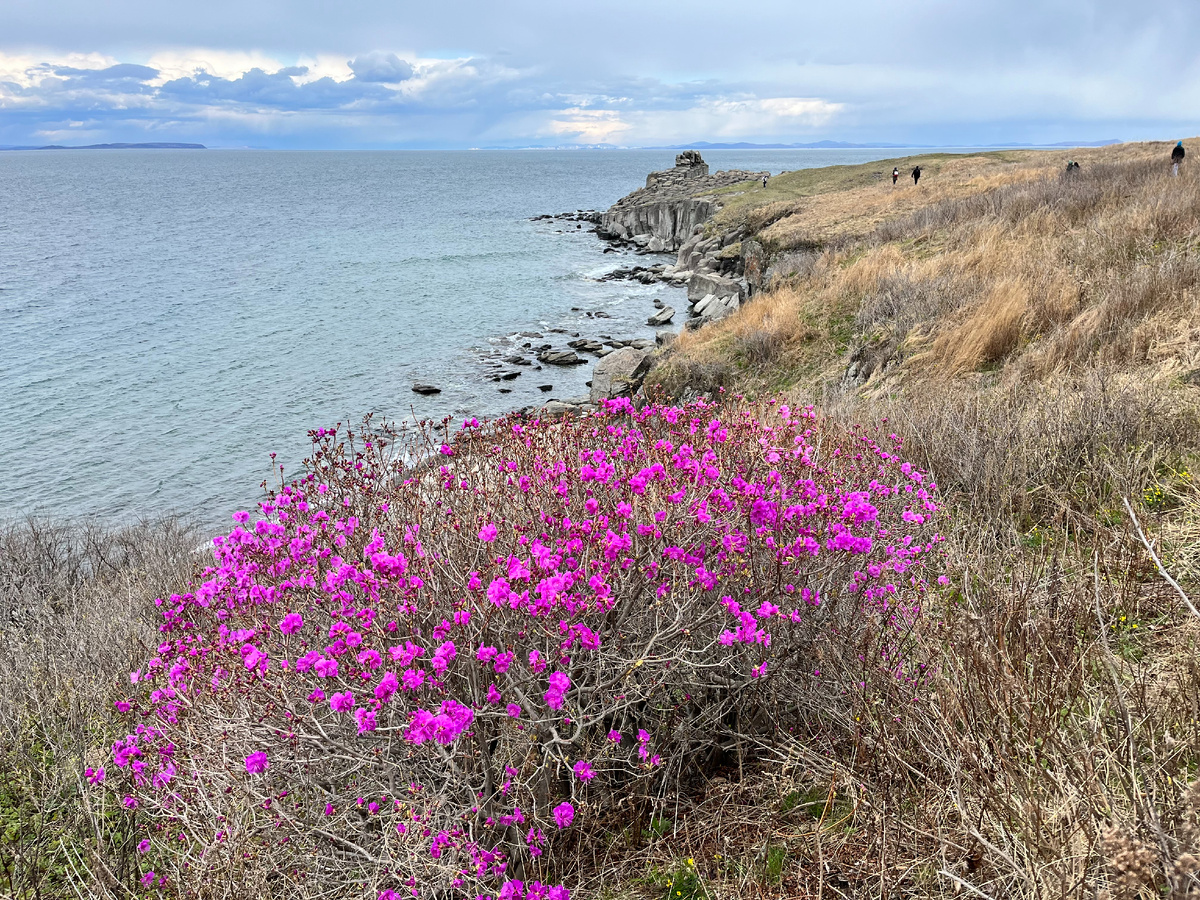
(169, 318)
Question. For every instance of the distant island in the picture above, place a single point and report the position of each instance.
(156, 145)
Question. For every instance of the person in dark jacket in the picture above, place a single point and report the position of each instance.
(916, 174)
(1177, 156)
(895, 174)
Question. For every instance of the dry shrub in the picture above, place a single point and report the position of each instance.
(557, 596)
(1031, 453)
(75, 610)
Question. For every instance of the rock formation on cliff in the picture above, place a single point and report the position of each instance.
(662, 215)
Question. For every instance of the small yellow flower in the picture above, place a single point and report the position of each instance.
(691, 862)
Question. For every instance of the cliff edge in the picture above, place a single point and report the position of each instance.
(662, 215)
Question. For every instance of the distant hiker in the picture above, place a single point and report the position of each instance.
(916, 174)
(1177, 156)
(1072, 167)
(895, 174)
(764, 181)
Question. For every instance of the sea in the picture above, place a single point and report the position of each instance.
(169, 319)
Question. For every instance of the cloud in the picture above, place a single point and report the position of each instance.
(588, 126)
(128, 72)
(379, 66)
(531, 71)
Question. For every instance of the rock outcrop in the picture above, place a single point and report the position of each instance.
(560, 358)
(619, 374)
(662, 317)
(664, 214)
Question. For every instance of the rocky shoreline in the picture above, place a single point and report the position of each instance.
(669, 214)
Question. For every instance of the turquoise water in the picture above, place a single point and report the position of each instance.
(169, 318)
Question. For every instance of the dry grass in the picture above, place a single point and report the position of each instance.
(1035, 338)
(1020, 267)
(76, 615)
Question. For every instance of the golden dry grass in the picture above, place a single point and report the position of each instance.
(998, 261)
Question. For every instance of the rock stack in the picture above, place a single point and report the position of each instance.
(665, 213)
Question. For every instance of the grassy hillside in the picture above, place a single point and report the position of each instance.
(1030, 338)
(1002, 303)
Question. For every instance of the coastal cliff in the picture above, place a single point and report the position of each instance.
(662, 215)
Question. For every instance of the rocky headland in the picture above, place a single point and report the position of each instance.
(668, 215)
(672, 213)
(664, 214)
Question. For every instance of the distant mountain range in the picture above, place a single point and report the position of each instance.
(844, 145)
(155, 145)
(814, 145)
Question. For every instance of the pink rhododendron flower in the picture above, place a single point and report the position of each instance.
(559, 683)
(388, 685)
(143, 845)
(365, 719)
(564, 814)
(342, 702)
(513, 710)
(487, 533)
(291, 623)
(583, 770)
(256, 763)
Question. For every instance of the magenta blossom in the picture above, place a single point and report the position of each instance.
(583, 770)
(564, 814)
(256, 763)
(487, 533)
(291, 623)
(559, 682)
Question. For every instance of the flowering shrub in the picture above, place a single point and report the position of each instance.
(413, 678)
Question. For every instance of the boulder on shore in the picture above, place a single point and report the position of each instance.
(662, 317)
(561, 358)
(422, 388)
(619, 374)
(703, 283)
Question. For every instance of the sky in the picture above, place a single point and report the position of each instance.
(367, 74)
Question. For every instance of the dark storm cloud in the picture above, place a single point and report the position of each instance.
(271, 89)
(380, 67)
(122, 72)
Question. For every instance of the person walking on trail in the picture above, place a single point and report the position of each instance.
(764, 181)
(916, 174)
(895, 174)
(1177, 156)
